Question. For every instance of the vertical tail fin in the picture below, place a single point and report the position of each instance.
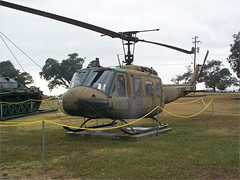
(196, 75)
(193, 80)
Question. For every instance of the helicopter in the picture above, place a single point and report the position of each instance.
(118, 93)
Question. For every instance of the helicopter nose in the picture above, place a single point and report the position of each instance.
(84, 101)
(68, 103)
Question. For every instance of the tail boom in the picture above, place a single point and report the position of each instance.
(175, 91)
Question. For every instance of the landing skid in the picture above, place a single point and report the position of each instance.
(138, 130)
(129, 129)
(96, 126)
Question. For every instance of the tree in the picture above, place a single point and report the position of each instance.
(222, 85)
(213, 74)
(25, 79)
(186, 77)
(60, 74)
(94, 63)
(7, 69)
(234, 57)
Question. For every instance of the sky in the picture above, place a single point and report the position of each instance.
(214, 22)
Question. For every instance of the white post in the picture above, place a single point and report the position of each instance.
(158, 122)
(43, 144)
(212, 109)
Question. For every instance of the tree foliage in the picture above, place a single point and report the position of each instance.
(185, 77)
(7, 69)
(212, 74)
(222, 85)
(234, 57)
(60, 74)
(94, 63)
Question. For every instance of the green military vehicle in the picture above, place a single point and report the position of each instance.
(18, 99)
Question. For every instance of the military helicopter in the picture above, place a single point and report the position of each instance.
(123, 92)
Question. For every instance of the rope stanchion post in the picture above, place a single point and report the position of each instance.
(53, 103)
(43, 144)
(158, 123)
(212, 109)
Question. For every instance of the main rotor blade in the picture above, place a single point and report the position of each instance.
(168, 46)
(62, 19)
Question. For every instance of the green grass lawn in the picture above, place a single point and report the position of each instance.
(201, 147)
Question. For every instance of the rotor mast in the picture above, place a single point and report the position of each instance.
(130, 37)
(129, 55)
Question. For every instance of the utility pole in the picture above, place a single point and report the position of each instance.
(196, 50)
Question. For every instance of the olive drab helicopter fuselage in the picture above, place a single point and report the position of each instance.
(123, 92)
(119, 93)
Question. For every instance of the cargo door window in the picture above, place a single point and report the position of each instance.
(149, 88)
(137, 87)
(158, 89)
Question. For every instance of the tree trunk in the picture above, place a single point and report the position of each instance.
(239, 84)
(214, 88)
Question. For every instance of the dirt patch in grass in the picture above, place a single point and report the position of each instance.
(205, 172)
(223, 131)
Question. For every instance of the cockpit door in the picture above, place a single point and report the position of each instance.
(119, 92)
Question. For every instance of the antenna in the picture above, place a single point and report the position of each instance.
(119, 61)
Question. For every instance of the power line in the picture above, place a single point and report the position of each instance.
(19, 50)
(12, 52)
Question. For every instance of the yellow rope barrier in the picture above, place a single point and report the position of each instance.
(20, 101)
(192, 102)
(204, 102)
(20, 124)
(187, 102)
(187, 116)
(26, 101)
(4, 124)
(101, 129)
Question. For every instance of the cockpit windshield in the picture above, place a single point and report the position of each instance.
(100, 79)
(78, 78)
